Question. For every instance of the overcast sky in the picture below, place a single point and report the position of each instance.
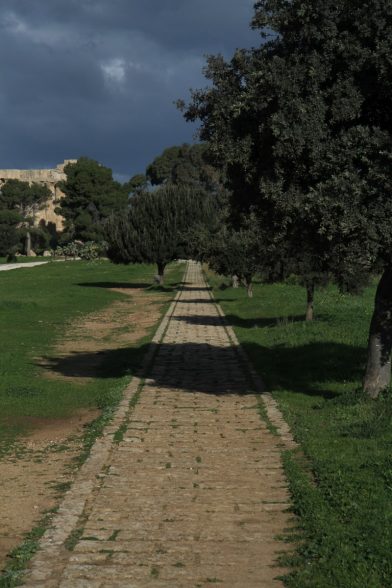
(99, 77)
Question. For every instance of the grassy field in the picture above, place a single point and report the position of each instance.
(342, 489)
(36, 305)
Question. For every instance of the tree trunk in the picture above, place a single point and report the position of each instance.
(378, 370)
(28, 243)
(248, 285)
(161, 271)
(235, 281)
(310, 301)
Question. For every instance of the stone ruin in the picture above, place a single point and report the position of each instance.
(50, 178)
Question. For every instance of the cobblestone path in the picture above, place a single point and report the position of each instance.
(194, 494)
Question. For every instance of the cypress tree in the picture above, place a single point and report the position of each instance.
(155, 228)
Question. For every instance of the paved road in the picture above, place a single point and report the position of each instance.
(194, 494)
(11, 266)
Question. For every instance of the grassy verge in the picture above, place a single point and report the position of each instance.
(35, 307)
(342, 494)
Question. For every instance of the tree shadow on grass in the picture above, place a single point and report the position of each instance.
(312, 369)
(168, 288)
(236, 321)
(111, 285)
(219, 300)
(132, 286)
(195, 367)
(106, 363)
(260, 322)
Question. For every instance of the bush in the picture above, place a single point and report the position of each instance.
(77, 249)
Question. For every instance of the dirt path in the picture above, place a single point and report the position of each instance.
(31, 476)
(194, 493)
(11, 266)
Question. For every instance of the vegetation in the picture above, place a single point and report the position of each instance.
(91, 196)
(35, 307)
(299, 133)
(136, 185)
(185, 165)
(154, 230)
(76, 249)
(341, 479)
(19, 203)
(302, 126)
(228, 251)
(20, 556)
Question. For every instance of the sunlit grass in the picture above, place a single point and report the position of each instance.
(36, 305)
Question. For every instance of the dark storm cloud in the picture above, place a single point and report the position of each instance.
(99, 77)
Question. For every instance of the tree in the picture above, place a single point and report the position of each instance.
(91, 196)
(137, 184)
(9, 238)
(350, 204)
(19, 203)
(154, 230)
(304, 126)
(185, 165)
(228, 251)
(239, 114)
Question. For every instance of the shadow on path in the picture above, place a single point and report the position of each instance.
(197, 319)
(306, 369)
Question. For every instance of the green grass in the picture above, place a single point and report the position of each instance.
(342, 485)
(35, 307)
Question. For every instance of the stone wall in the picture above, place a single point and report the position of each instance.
(48, 177)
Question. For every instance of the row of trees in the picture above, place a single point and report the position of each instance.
(169, 206)
(147, 219)
(93, 199)
(302, 127)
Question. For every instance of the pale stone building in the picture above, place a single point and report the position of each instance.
(51, 179)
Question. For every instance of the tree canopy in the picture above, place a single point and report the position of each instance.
(23, 198)
(155, 228)
(19, 203)
(91, 196)
(137, 184)
(185, 165)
